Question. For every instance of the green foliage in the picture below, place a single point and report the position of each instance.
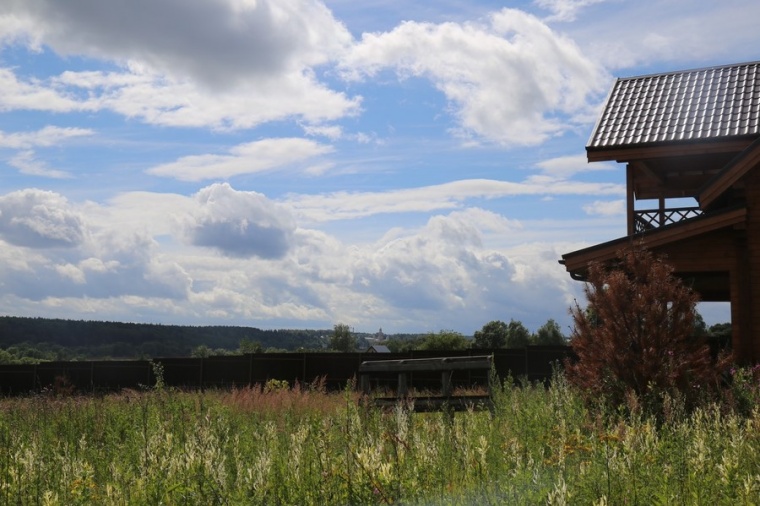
(401, 345)
(158, 373)
(274, 385)
(549, 334)
(635, 342)
(55, 339)
(342, 339)
(248, 345)
(539, 446)
(517, 335)
(201, 351)
(700, 327)
(445, 340)
(493, 335)
(719, 335)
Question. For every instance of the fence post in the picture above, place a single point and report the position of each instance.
(403, 388)
(446, 383)
(201, 375)
(250, 370)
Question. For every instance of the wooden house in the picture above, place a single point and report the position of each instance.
(690, 142)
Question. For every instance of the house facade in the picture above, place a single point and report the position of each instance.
(690, 142)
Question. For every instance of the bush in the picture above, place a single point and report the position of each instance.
(635, 341)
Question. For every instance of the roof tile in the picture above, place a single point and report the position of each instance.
(708, 103)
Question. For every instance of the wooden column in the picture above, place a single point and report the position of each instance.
(661, 212)
(629, 199)
(741, 303)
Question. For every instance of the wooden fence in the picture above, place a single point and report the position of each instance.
(534, 363)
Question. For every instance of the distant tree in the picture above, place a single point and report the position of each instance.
(700, 327)
(720, 329)
(445, 340)
(201, 351)
(6, 358)
(249, 346)
(342, 339)
(404, 344)
(549, 334)
(517, 335)
(720, 335)
(493, 335)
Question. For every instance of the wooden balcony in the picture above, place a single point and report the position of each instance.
(649, 219)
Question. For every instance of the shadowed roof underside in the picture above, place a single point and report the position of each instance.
(704, 104)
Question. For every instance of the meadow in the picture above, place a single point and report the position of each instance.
(302, 446)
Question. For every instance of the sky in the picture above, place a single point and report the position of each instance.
(410, 166)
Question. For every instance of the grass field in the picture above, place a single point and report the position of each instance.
(303, 446)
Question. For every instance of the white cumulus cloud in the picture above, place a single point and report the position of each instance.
(40, 219)
(240, 224)
(513, 80)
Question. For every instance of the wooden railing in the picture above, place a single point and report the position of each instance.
(445, 365)
(654, 218)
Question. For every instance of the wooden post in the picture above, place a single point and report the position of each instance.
(630, 199)
(250, 370)
(200, 375)
(364, 384)
(446, 383)
(403, 389)
(661, 213)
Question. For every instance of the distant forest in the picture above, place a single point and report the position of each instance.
(32, 340)
(55, 339)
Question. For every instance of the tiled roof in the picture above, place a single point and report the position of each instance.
(691, 105)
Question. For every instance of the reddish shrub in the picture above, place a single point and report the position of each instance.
(635, 341)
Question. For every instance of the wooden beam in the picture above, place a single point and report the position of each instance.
(730, 175)
(427, 364)
(631, 152)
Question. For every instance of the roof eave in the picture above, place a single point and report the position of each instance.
(642, 151)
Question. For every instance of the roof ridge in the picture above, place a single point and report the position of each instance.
(689, 71)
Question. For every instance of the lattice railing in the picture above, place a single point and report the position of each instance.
(653, 218)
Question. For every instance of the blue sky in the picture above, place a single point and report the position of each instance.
(414, 166)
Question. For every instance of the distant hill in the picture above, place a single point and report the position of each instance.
(66, 339)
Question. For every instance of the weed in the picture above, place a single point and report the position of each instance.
(301, 445)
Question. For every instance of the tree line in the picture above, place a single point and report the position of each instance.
(498, 334)
(494, 334)
(30, 340)
(33, 340)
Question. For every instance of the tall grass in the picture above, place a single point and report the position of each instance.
(304, 446)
